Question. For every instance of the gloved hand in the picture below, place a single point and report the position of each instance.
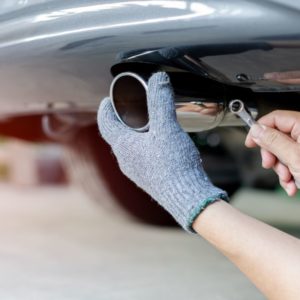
(163, 161)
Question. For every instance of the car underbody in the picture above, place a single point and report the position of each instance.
(58, 59)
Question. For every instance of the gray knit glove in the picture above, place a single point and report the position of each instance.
(163, 161)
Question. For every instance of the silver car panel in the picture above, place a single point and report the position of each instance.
(57, 55)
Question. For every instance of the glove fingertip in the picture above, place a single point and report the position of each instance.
(158, 84)
(160, 99)
(159, 77)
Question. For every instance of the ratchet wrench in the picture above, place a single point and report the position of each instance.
(238, 108)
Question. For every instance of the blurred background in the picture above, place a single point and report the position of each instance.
(27, 164)
(68, 231)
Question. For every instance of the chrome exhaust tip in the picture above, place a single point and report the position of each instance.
(128, 93)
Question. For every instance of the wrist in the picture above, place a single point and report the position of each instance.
(203, 205)
(203, 222)
(186, 197)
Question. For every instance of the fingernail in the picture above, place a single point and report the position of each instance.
(290, 190)
(257, 130)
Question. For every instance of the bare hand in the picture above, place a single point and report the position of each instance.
(278, 135)
(291, 77)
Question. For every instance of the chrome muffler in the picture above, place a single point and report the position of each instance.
(128, 92)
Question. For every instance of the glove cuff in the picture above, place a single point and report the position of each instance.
(201, 206)
(188, 196)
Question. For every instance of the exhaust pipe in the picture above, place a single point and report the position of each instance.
(128, 92)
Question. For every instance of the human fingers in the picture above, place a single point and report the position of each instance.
(285, 176)
(283, 120)
(268, 159)
(283, 172)
(279, 144)
(286, 179)
(249, 142)
(290, 187)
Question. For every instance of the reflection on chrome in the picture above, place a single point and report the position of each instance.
(201, 108)
(204, 115)
(198, 116)
(199, 9)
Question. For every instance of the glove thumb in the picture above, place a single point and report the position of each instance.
(109, 125)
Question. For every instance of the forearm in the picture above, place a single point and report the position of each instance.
(270, 258)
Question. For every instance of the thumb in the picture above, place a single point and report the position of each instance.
(278, 143)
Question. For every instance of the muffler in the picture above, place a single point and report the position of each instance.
(197, 110)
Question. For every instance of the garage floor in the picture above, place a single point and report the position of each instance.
(56, 243)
